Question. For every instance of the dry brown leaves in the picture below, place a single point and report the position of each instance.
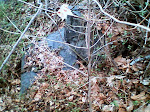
(124, 64)
(65, 90)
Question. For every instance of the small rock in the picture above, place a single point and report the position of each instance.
(27, 80)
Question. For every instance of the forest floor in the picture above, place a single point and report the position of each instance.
(119, 79)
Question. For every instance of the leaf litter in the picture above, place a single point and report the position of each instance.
(66, 90)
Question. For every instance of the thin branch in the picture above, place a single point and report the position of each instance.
(12, 22)
(106, 4)
(103, 47)
(131, 10)
(122, 22)
(8, 31)
(74, 68)
(67, 44)
(36, 6)
(69, 26)
(101, 36)
(147, 3)
(88, 38)
(21, 36)
(146, 69)
(55, 41)
(139, 59)
(147, 32)
(46, 4)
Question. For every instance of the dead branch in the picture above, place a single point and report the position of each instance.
(36, 6)
(88, 39)
(122, 22)
(147, 33)
(11, 22)
(139, 59)
(21, 36)
(8, 31)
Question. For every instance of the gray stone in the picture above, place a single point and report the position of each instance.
(69, 56)
(62, 35)
(73, 36)
(75, 10)
(27, 80)
(65, 51)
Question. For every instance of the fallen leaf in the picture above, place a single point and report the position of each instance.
(120, 60)
(111, 78)
(108, 108)
(130, 107)
(45, 85)
(15, 82)
(139, 97)
(147, 108)
(70, 98)
(64, 11)
(83, 99)
(56, 86)
(38, 96)
(122, 110)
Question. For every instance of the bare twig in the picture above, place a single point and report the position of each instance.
(36, 6)
(50, 40)
(74, 68)
(122, 22)
(147, 32)
(67, 44)
(46, 7)
(69, 26)
(88, 38)
(146, 69)
(139, 59)
(145, 19)
(103, 47)
(147, 3)
(12, 22)
(8, 31)
(106, 4)
(21, 37)
(132, 11)
(100, 37)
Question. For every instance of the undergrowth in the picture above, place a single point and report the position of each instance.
(115, 85)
